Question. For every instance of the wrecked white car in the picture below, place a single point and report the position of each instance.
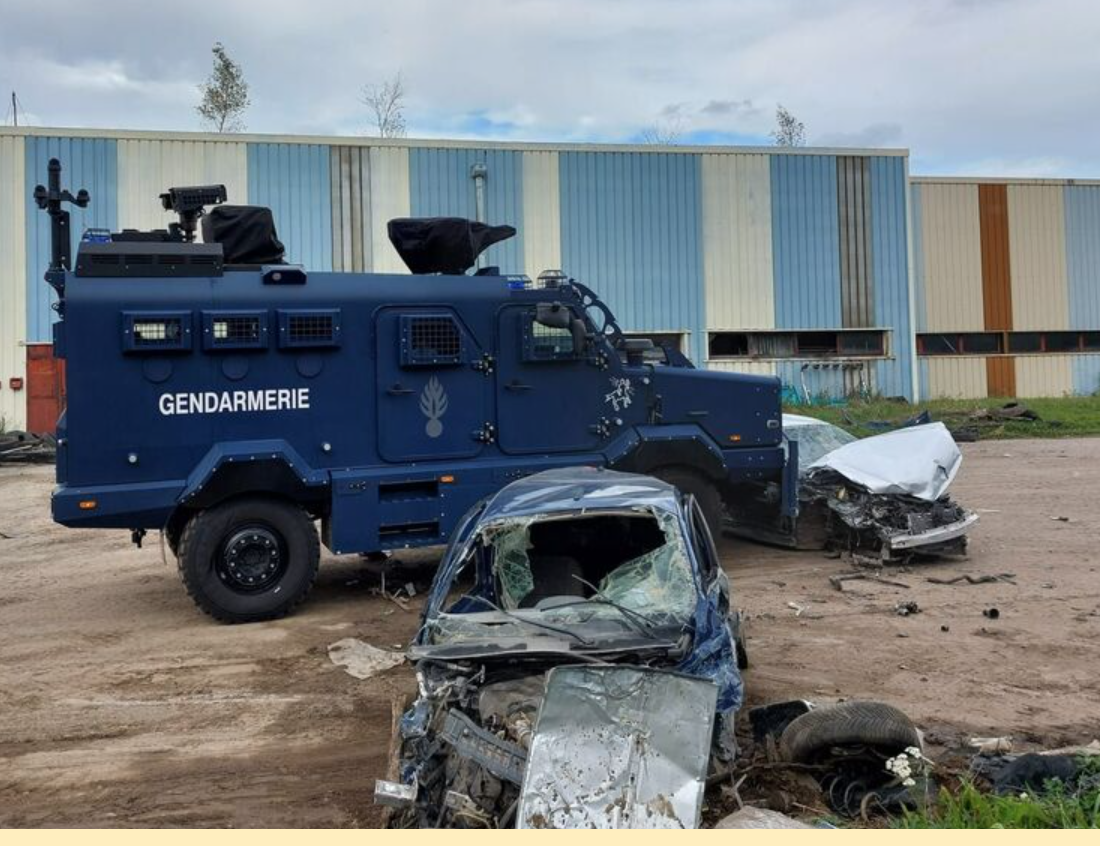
(577, 663)
(885, 495)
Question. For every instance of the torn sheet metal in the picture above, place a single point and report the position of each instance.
(619, 747)
(920, 461)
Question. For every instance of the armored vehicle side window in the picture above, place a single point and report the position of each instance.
(144, 332)
(234, 330)
(309, 328)
(430, 339)
(546, 343)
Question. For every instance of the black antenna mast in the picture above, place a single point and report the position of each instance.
(50, 199)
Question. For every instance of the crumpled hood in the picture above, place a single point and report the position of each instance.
(919, 461)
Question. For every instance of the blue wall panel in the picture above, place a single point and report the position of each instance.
(1086, 374)
(805, 242)
(919, 294)
(1082, 207)
(440, 185)
(889, 242)
(293, 180)
(90, 163)
(632, 231)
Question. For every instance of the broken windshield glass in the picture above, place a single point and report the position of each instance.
(577, 570)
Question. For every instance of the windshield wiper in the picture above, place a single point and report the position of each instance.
(583, 641)
(643, 624)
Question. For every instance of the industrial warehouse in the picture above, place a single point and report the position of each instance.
(833, 269)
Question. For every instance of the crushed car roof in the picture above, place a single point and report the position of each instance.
(578, 489)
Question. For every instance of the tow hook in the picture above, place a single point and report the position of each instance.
(136, 536)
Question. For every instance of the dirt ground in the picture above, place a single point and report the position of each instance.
(120, 704)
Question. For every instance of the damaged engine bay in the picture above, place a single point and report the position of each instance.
(577, 608)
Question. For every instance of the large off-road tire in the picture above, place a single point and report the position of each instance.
(849, 724)
(249, 559)
(703, 489)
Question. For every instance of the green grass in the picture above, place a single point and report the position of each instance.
(968, 807)
(1063, 417)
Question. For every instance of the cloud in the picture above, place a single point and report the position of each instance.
(875, 135)
(970, 81)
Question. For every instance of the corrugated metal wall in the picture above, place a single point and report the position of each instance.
(1018, 256)
(1037, 251)
(952, 258)
(389, 192)
(805, 242)
(890, 262)
(737, 242)
(541, 223)
(857, 282)
(90, 163)
(631, 229)
(1082, 223)
(148, 167)
(351, 209)
(294, 180)
(13, 286)
(440, 184)
(958, 378)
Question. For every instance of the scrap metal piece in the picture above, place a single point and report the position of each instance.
(619, 747)
(500, 757)
(394, 794)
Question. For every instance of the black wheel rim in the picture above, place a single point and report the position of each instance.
(252, 559)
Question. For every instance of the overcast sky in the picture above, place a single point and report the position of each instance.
(983, 87)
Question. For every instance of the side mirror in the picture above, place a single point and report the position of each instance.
(553, 316)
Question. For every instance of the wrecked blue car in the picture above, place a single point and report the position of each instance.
(578, 567)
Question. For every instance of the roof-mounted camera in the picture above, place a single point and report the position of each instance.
(190, 204)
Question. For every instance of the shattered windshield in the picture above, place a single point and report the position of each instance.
(597, 571)
(816, 440)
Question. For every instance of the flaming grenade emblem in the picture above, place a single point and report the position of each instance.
(433, 405)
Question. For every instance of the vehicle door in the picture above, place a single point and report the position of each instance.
(433, 396)
(550, 390)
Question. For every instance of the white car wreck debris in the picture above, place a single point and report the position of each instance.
(886, 495)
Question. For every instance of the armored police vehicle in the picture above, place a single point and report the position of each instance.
(234, 400)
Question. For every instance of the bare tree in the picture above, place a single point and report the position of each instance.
(386, 102)
(224, 94)
(666, 131)
(789, 131)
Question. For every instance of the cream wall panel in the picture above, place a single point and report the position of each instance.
(755, 368)
(952, 257)
(1037, 255)
(1044, 375)
(541, 213)
(13, 282)
(389, 198)
(147, 168)
(737, 242)
(957, 377)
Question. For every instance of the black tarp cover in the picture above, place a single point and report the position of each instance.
(246, 233)
(447, 245)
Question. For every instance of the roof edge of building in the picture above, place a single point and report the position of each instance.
(412, 143)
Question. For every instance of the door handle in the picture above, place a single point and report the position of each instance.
(396, 390)
(517, 386)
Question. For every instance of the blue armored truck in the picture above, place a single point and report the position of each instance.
(235, 401)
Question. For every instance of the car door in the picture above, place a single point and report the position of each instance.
(433, 394)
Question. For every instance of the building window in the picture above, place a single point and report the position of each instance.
(840, 343)
(1014, 343)
(960, 343)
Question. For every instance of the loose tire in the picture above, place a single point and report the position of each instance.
(704, 491)
(849, 724)
(249, 559)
